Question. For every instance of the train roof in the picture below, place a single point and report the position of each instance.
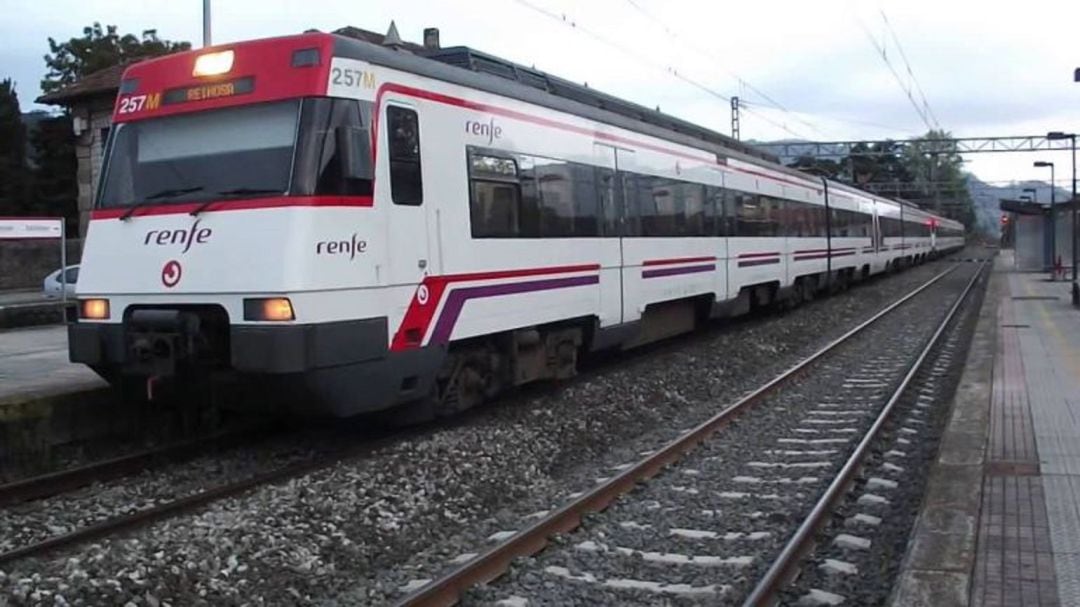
(477, 61)
(475, 69)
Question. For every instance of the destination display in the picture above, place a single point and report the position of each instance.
(215, 90)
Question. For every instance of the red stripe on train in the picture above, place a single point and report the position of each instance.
(246, 204)
(665, 262)
(425, 300)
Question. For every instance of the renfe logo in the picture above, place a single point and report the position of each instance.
(185, 237)
(171, 273)
(352, 247)
(489, 131)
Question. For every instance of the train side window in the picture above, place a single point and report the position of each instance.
(403, 130)
(795, 219)
(694, 204)
(605, 193)
(495, 197)
(494, 209)
(715, 220)
(343, 113)
(748, 215)
(840, 222)
(652, 198)
(630, 205)
(569, 204)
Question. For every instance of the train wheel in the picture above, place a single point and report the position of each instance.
(472, 379)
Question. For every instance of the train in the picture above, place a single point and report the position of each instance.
(369, 227)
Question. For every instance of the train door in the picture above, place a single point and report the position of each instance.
(625, 162)
(404, 180)
(875, 234)
(612, 217)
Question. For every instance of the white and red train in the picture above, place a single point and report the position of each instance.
(363, 226)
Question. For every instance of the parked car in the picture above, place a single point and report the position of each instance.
(52, 284)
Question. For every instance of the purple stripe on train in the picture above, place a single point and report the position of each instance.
(757, 262)
(674, 271)
(457, 298)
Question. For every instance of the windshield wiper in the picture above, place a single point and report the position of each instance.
(245, 191)
(167, 193)
(234, 192)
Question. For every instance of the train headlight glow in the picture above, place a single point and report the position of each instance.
(270, 308)
(213, 64)
(94, 309)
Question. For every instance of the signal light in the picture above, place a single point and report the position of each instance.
(213, 64)
(275, 309)
(94, 309)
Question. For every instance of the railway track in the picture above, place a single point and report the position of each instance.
(54, 483)
(346, 445)
(65, 481)
(779, 472)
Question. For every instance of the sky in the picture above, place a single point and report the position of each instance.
(808, 70)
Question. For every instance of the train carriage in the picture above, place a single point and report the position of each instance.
(369, 226)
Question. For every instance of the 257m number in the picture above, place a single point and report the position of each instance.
(138, 103)
(356, 78)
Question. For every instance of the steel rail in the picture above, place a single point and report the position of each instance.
(196, 500)
(62, 481)
(785, 565)
(448, 589)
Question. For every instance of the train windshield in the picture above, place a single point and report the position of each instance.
(202, 156)
(280, 148)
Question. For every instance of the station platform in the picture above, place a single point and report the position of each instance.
(34, 364)
(1000, 524)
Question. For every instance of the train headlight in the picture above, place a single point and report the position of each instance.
(94, 309)
(213, 64)
(270, 308)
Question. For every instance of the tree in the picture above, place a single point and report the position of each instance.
(99, 48)
(53, 189)
(879, 163)
(819, 167)
(941, 177)
(13, 170)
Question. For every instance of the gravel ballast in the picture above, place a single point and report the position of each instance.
(883, 503)
(361, 530)
(706, 529)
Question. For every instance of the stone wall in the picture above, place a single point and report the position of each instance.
(89, 150)
(24, 264)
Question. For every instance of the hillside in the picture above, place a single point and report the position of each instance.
(987, 198)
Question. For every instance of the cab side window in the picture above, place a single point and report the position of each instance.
(403, 130)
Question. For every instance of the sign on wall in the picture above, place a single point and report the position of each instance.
(39, 228)
(30, 228)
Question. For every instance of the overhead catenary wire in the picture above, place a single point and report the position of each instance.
(855, 121)
(743, 82)
(882, 51)
(907, 66)
(757, 91)
(671, 71)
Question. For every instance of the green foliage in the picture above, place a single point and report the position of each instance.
(880, 163)
(940, 176)
(13, 170)
(48, 188)
(822, 167)
(914, 170)
(99, 48)
(53, 189)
